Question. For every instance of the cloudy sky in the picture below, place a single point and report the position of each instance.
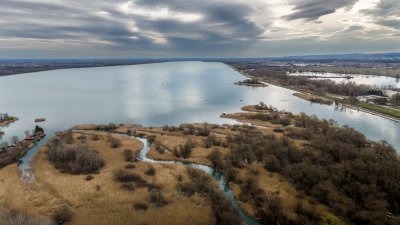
(193, 28)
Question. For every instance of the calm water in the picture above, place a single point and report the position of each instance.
(155, 94)
(373, 80)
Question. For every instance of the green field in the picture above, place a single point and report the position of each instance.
(375, 108)
(350, 70)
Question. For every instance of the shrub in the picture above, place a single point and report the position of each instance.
(62, 215)
(211, 140)
(180, 178)
(187, 189)
(215, 158)
(124, 176)
(222, 207)
(130, 166)
(223, 210)
(273, 213)
(151, 139)
(115, 143)
(184, 151)
(153, 186)
(140, 206)
(82, 138)
(157, 198)
(74, 158)
(109, 127)
(89, 177)
(151, 171)
(159, 147)
(129, 155)
(95, 137)
(279, 130)
(128, 186)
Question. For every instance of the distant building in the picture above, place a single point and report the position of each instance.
(390, 93)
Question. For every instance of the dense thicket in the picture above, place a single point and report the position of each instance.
(358, 179)
(68, 156)
(224, 213)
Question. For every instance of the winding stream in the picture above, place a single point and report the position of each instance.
(222, 182)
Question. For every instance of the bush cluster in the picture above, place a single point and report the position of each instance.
(70, 157)
(359, 180)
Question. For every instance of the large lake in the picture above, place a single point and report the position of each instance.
(155, 94)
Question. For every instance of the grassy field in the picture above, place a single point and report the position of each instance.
(102, 200)
(376, 108)
(350, 70)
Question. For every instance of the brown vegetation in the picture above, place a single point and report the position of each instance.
(68, 156)
(13, 217)
(278, 76)
(6, 119)
(102, 201)
(336, 166)
(314, 98)
(11, 153)
(319, 172)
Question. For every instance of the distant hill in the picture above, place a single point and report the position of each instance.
(381, 57)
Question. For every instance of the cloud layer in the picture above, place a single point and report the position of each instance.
(208, 28)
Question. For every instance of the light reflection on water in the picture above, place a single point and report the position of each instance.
(154, 95)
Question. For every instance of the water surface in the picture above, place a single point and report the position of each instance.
(154, 95)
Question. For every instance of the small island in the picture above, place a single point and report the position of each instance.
(6, 119)
(252, 83)
(39, 120)
(313, 98)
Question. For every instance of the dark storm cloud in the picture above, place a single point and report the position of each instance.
(222, 23)
(314, 9)
(180, 27)
(386, 13)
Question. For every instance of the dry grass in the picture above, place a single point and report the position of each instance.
(313, 98)
(243, 117)
(171, 139)
(271, 182)
(102, 200)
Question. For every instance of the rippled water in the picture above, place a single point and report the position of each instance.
(154, 95)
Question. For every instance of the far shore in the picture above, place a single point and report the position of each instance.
(303, 94)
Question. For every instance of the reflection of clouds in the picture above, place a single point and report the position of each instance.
(145, 91)
(157, 94)
(381, 128)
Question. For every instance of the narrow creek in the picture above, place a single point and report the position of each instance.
(220, 178)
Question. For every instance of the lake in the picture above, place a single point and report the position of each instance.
(154, 95)
(372, 80)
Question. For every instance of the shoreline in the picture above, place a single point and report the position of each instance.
(302, 92)
(8, 122)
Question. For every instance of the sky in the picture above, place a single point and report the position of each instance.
(192, 28)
